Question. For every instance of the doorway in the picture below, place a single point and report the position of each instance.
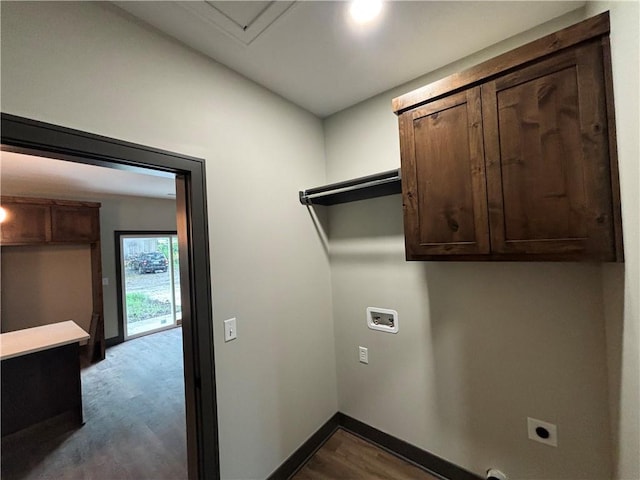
(31, 137)
(148, 280)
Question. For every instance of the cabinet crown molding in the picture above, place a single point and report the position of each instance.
(593, 27)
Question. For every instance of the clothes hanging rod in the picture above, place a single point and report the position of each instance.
(376, 185)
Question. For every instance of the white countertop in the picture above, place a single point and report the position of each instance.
(36, 339)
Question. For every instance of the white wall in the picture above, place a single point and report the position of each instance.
(481, 345)
(58, 276)
(90, 66)
(126, 213)
(621, 283)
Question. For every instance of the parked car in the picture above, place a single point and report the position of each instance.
(152, 262)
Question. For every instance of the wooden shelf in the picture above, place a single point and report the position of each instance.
(362, 188)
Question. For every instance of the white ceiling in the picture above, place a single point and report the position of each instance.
(312, 54)
(24, 175)
(306, 51)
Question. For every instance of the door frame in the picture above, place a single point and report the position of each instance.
(32, 137)
(118, 234)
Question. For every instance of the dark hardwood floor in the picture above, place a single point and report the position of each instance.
(346, 456)
(134, 421)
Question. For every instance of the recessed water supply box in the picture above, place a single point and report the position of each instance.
(382, 319)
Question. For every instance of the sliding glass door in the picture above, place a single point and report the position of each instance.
(150, 283)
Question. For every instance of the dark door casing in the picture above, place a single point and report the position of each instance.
(31, 137)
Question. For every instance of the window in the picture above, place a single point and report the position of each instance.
(150, 283)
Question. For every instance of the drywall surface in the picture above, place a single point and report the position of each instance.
(481, 346)
(621, 283)
(43, 285)
(90, 66)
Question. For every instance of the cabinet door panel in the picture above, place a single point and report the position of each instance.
(547, 158)
(25, 224)
(444, 189)
(74, 224)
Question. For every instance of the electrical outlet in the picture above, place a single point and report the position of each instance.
(364, 354)
(542, 432)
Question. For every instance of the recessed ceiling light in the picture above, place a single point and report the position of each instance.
(363, 11)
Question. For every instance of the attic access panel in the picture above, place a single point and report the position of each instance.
(244, 21)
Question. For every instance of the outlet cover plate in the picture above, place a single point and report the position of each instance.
(543, 432)
(363, 354)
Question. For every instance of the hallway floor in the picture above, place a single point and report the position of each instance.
(134, 417)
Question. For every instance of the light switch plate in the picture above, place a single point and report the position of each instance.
(230, 331)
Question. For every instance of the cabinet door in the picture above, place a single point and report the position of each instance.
(443, 178)
(74, 224)
(548, 174)
(25, 223)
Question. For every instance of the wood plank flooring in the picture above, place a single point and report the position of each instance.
(134, 421)
(346, 456)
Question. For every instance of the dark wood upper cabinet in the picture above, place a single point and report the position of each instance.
(75, 224)
(443, 153)
(33, 221)
(25, 223)
(520, 162)
(547, 158)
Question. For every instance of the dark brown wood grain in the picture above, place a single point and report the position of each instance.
(443, 165)
(32, 221)
(74, 224)
(616, 205)
(590, 28)
(547, 160)
(25, 223)
(98, 303)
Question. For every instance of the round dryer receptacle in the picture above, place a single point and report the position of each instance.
(494, 474)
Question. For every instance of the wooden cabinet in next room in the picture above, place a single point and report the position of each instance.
(25, 223)
(75, 224)
(35, 221)
(54, 225)
(515, 158)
